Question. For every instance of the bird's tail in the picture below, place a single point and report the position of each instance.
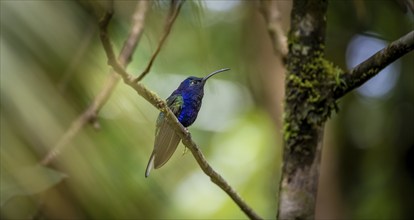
(150, 165)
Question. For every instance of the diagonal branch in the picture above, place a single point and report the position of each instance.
(89, 115)
(373, 65)
(160, 104)
(170, 21)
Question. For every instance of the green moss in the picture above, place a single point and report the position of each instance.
(286, 131)
(309, 99)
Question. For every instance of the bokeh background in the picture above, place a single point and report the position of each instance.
(53, 65)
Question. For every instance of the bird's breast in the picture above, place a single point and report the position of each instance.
(190, 109)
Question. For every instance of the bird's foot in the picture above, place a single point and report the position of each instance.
(187, 132)
(160, 104)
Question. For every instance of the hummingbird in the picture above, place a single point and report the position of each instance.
(184, 102)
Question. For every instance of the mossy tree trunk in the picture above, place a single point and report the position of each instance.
(313, 84)
(308, 104)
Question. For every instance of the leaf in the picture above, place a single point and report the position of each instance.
(27, 181)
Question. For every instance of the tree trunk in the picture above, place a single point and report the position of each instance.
(308, 104)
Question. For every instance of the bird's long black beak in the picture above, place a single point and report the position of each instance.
(214, 73)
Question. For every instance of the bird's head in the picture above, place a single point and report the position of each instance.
(196, 83)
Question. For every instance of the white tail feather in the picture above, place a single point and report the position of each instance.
(150, 165)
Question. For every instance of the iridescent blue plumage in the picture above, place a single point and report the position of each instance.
(184, 102)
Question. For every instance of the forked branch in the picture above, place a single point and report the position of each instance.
(175, 10)
(157, 102)
(90, 114)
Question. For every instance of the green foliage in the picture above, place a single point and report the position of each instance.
(24, 182)
(28, 181)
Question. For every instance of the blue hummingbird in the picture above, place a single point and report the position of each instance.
(184, 102)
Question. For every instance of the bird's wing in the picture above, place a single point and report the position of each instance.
(165, 145)
(166, 140)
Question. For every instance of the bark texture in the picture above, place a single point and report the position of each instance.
(308, 104)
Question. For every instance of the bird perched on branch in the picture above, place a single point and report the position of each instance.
(184, 102)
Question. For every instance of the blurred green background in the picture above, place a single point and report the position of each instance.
(53, 65)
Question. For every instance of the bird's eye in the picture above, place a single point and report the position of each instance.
(195, 82)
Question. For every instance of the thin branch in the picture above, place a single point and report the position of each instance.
(171, 19)
(216, 177)
(373, 65)
(271, 14)
(160, 104)
(89, 115)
